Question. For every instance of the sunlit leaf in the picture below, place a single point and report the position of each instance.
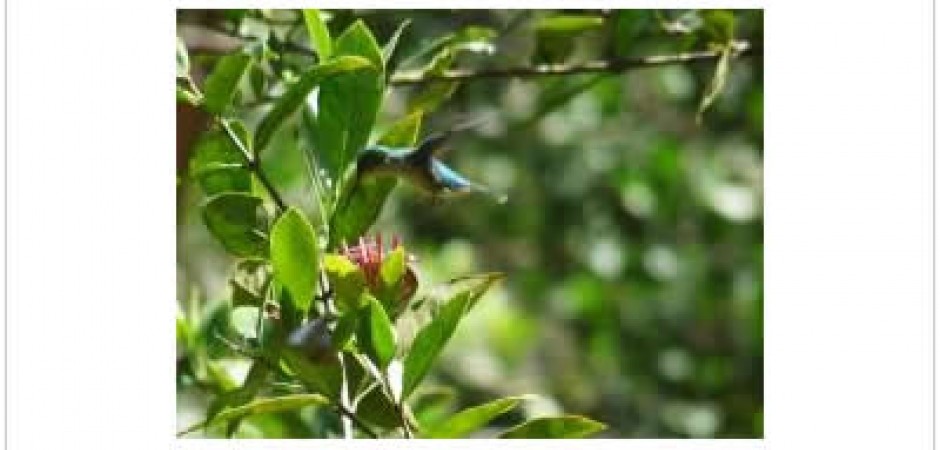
(472, 419)
(347, 104)
(377, 334)
(569, 24)
(565, 427)
(295, 256)
(262, 406)
(390, 274)
(319, 33)
(186, 96)
(295, 96)
(222, 83)
(389, 48)
(431, 339)
(346, 279)
(365, 198)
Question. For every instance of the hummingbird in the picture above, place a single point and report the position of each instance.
(421, 167)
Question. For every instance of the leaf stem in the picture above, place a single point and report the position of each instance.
(253, 163)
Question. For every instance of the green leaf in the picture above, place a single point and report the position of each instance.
(182, 59)
(347, 280)
(257, 377)
(403, 133)
(262, 406)
(233, 218)
(345, 328)
(185, 96)
(564, 427)
(569, 24)
(392, 270)
(628, 26)
(377, 334)
(431, 339)
(472, 419)
(389, 48)
(347, 104)
(295, 256)
(719, 24)
(218, 165)
(431, 96)
(223, 81)
(324, 377)
(319, 33)
(295, 96)
(433, 405)
(378, 409)
(359, 210)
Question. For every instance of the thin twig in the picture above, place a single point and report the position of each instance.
(359, 423)
(606, 66)
(254, 164)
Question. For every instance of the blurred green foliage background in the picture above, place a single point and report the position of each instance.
(632, 238)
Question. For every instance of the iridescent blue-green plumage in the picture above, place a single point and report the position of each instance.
(418, 166)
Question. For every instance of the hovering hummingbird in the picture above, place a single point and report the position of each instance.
(421, 167)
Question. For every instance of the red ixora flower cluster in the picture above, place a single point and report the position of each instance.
(369, 254)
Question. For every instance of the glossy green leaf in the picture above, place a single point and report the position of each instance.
(433, 405)
(182, 59)
(377, 334)
(295, 256)
(347, 104)
(262, 406)
(392, 269)
(234, 219)
(564, 427)
(218, 165)
(364, 202)
(569, 24)
(346, 279)
(295, 96)
(472, 419)
(429, 342)
(319, 33)
(222, 83)
(431, 339)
